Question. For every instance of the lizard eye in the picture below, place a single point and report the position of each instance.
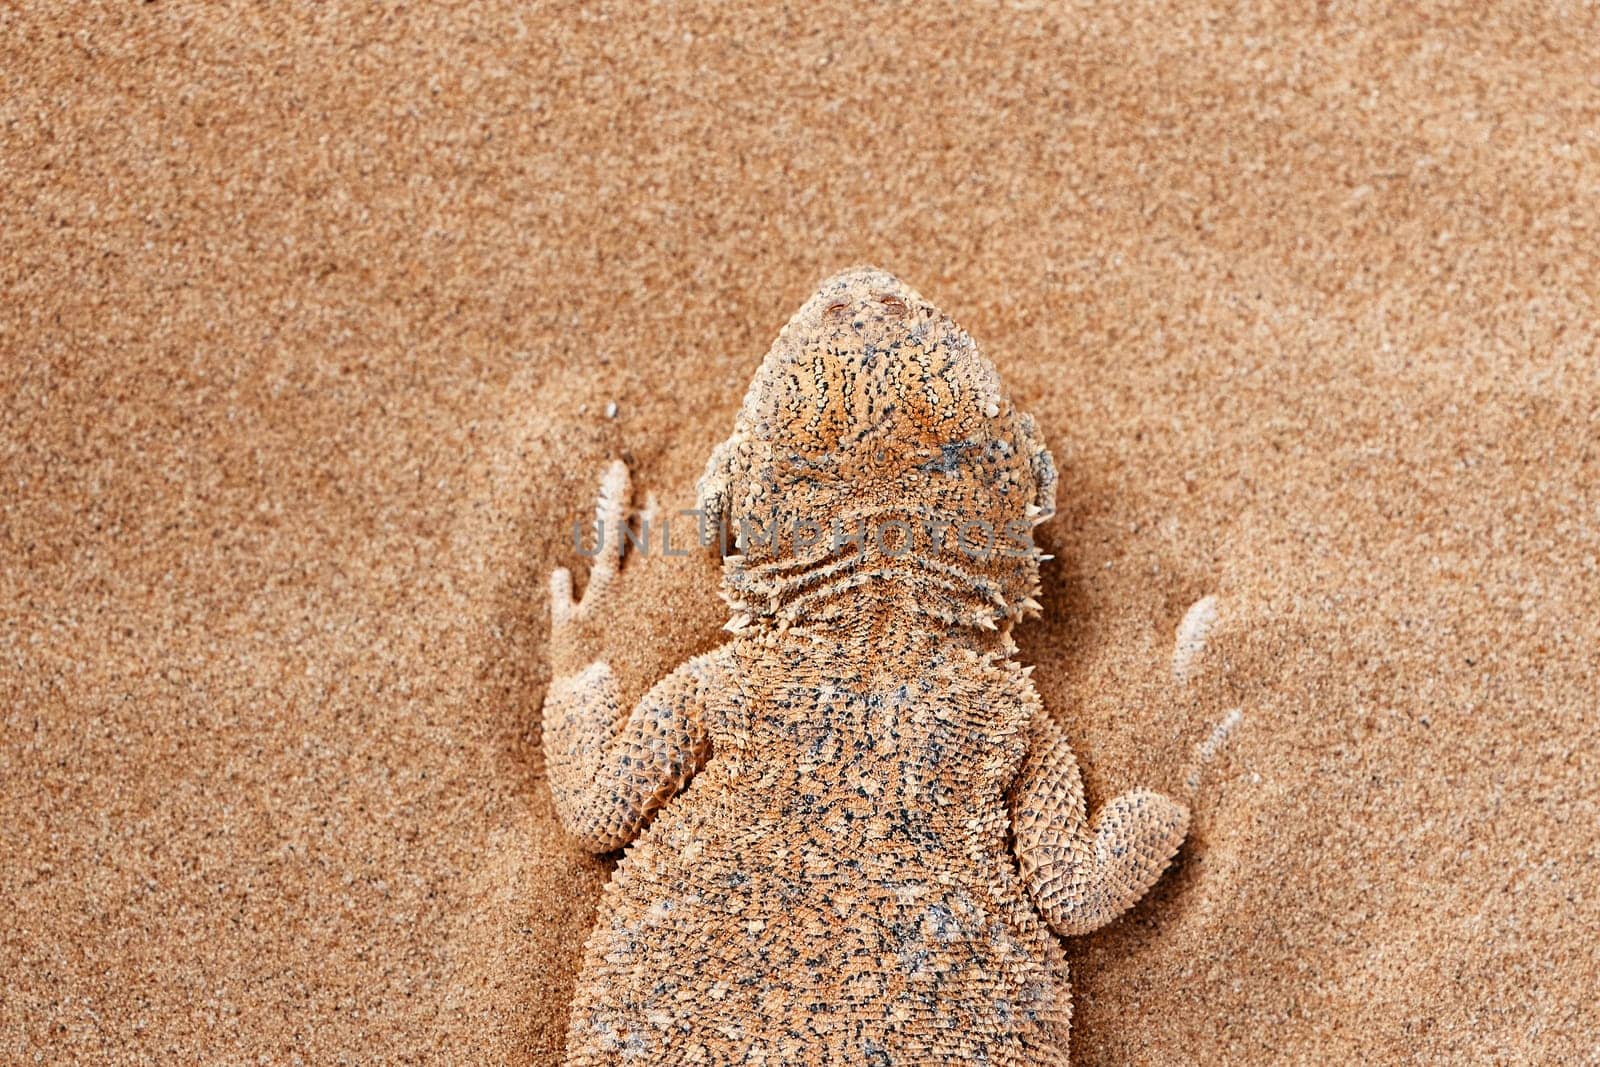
(835, 309)
(894, 304)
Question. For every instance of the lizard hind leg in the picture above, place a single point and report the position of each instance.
(1083, 873)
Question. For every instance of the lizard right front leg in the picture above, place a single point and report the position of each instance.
(1084, 873)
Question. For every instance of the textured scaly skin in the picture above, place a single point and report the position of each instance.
(852, 829)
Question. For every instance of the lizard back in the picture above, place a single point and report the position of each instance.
(836, 883)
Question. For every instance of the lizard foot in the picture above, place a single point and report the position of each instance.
(1189, 647)
(611, 541)
(612, 537)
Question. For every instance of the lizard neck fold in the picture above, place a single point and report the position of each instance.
(825, 586)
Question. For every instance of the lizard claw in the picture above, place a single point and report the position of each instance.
(562, 609)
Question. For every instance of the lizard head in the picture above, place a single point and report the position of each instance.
(876, 442)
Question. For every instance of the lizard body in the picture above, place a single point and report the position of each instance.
(853, 834)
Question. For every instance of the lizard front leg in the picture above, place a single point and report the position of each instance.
(1082, 873)
(607, 779)
(609, 773)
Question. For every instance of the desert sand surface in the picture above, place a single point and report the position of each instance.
(311, 323)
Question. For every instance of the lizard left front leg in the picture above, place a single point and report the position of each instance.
(609, 779)
(608, 773)
(1083, 873)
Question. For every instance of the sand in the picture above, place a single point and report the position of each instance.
(310, 328)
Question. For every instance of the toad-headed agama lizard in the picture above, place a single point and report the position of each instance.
(853, 834)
